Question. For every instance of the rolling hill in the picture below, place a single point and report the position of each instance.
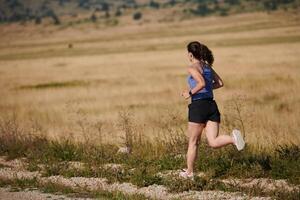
(77, 11)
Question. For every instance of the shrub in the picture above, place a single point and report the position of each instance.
(38, 20)
(118, 12)
(270, 5)
(154, 4)
(93, 17)
(202, 10)
(137, 16)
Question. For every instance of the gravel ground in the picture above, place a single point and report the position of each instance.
(94, 184)
(265, 184)
(7, 194)
(13, 170)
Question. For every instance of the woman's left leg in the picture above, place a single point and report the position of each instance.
(195, 130)
(215, 141)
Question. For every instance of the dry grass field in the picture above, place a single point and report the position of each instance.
(69, 81)
(94, 88)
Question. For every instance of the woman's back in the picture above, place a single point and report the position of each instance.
(207, 91)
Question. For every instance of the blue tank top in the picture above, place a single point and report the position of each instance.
(207, 91)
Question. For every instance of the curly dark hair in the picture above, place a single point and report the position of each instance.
(201, 52)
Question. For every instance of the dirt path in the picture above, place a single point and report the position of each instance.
(9, 194)
(14, 170)
(95, 184)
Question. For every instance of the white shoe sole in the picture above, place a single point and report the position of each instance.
(239, 141)
(184, 175)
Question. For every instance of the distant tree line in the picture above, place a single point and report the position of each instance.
(18, 11)
(207, 7)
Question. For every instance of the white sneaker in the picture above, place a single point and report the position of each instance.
(184, 174)
(238, 139)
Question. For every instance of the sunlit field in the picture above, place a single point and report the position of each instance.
(73, 81)
(95, 110)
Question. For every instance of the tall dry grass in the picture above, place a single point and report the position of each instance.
(79, 92)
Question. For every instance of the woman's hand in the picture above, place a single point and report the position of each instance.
(185, 94)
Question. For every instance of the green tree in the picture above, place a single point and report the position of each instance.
(105, 7)
(137, 15)
(202, 9)
(172, 2)
(38, 20)
(62, 2)
(118, 12)
(93, 17)
(233, 2)
(52, 14)
(84, 4)
(270, 5)
(154, 4)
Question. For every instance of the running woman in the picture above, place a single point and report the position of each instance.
(203, 110)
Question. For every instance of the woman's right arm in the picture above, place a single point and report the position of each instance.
(218, 82)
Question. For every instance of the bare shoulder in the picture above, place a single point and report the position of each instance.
(195, 67)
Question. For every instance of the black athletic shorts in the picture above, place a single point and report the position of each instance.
(202, 110)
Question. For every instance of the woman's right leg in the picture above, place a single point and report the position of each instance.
(195, 130)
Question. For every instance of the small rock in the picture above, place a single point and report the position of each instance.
(180, 156)
(114, 167)
(76, 165)
(125, 150)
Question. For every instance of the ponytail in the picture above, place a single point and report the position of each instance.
(201, 52)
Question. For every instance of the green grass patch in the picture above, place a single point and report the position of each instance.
(147, 158)
(256, 191)
(221, 163)
(62, 84)
(2, 166)
(21, 184)
(228, 162)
